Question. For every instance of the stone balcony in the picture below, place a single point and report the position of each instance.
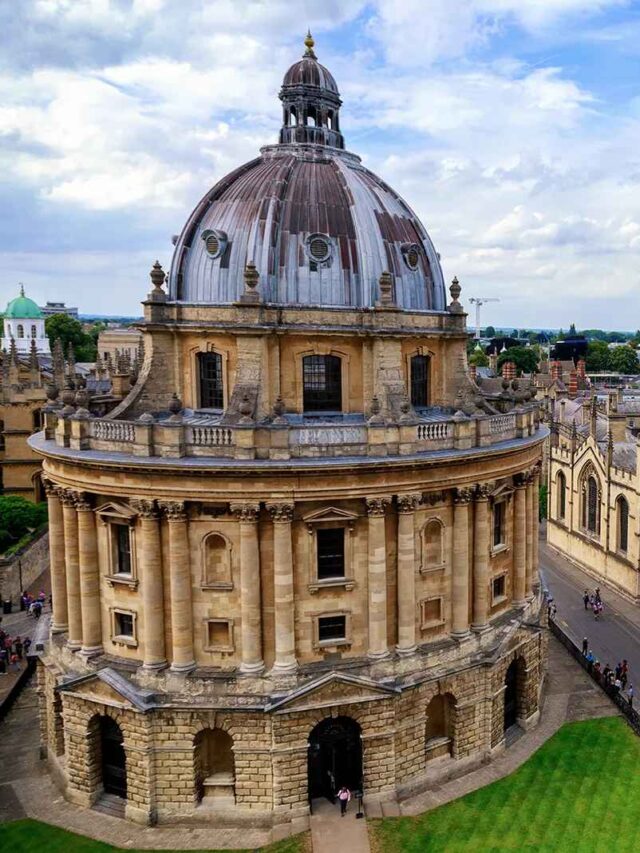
(294, 437)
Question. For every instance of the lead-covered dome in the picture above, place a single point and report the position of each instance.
(319, 226)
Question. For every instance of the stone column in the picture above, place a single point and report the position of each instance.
(461, 568)
(282, 516)
(182, 655)
(529, 536)
(536, 523)
(378, 648)
(407, 505)
(56, 560)
(89, 577)
(519, 541)
(153, 650)
(481, 544)
(250, 593)
(72, 566)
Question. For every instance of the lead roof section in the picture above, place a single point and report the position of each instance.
(268, 209)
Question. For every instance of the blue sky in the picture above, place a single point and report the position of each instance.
(511, 126)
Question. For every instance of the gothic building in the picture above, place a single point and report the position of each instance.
(302, 551)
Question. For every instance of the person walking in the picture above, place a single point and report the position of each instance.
(585, 598)
(630, 695)
(585, 646)
(596, 610)
(18, 647)
(344, 795)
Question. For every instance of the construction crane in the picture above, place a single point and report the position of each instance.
(479, 301)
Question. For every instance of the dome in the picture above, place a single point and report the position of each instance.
(319, 226)
(22, 308)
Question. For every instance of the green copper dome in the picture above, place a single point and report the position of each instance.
(22, 308)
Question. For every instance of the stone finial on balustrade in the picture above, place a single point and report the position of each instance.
(455, 290)
(175, 407)
(406, 414)
(375, 412)
(68, 397)
(81, 400)
(251, 281)
(279, 410)
(157, 276)
(246, 410)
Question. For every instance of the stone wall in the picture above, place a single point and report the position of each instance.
(32, 561)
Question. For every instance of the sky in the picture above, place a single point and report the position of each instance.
(512, 127)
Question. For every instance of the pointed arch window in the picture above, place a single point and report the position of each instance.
(622, 513)
(590, 510)
(561, 489)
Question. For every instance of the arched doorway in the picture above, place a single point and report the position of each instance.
(511, 696)
(335, 757)
(114, 763)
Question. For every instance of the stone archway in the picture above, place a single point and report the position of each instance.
(513, 692)
(335, 757)
(113, 758)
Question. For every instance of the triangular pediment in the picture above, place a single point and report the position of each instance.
(502, 491)
(330, 513)
(110, 688)
(332, 689)
(116, 511)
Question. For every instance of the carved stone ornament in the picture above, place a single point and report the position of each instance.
(279, 409)
(280, 512)
(246, 512)
(377, 506)
(455, 291)
(145, 508)
(173, 510)
(66, 497)
(463, 496)
(483, 490)
(246, 410)
(520, 480)
(433, 498)
(82, 501)
(157, 276)
(408, 503)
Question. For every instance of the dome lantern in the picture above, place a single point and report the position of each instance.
(310, 102)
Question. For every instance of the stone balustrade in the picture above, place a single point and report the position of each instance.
(174, 437)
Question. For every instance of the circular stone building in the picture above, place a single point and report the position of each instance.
(302, 551)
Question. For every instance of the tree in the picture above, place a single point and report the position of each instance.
(70, 331)
(490, 332)
(598, 357)
(624, 360)
(524, 358)
(19, 516)
(479, 358)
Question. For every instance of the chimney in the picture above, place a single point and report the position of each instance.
(508, 370)
(556, 371)
(573, 384)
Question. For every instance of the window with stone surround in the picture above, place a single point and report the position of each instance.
(332, 629)
(498, 589)
(330, 553)
(499, 538)
(118, 521)
(123, 627)
(122, 536)
(431, 612)
(590, 492)
(321, 383)
(622, 516)
(419, 380)
(218, 635)
(211, 382)
(561, 489)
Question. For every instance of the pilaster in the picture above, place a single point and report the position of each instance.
(282, 516)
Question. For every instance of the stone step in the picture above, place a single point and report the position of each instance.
(110, 804)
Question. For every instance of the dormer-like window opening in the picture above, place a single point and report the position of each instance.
(215, 242)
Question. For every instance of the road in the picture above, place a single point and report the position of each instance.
(616, 635)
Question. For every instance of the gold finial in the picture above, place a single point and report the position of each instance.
(309, 44)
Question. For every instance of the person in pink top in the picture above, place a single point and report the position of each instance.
(344, 795)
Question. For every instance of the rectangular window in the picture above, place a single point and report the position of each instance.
(431, 612)
(419, 381)
(211, 390)
(123, 549)
(332, 628)
(123, 624)
(499, 523)
(499, 588)
(322, 383)
(330, 553)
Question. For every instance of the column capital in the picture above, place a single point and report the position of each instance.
(50, 488)
(462, 496)
(483, 490)
(82, 502)
(520, 480)
(408, 503)
(173, 510)
(281, 512)
(67, 497)
(377, 506)
(145, 508)
(246, 511)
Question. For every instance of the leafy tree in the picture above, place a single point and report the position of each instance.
(624, 360)
(70, 331)
(19, 516)
(490, 332)
(524, 358)
(479, 358)
(542, 504)
(598, 357)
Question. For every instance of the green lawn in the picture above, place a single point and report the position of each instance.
(31, 836)
(580, 793)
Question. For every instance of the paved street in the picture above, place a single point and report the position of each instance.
(615, 635)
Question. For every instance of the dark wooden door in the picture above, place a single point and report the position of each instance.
(335, 757)
(114, 769)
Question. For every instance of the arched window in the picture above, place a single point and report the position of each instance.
(20, 330)
(622, 513)
(420, 381)
(590, 495)
(561, 489)
(322, 383)
(214, 766)
(34, 332)
(211, 385)
(433, 551)
(217, 561)
(438, 733)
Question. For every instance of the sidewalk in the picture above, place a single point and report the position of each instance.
(331, 833)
